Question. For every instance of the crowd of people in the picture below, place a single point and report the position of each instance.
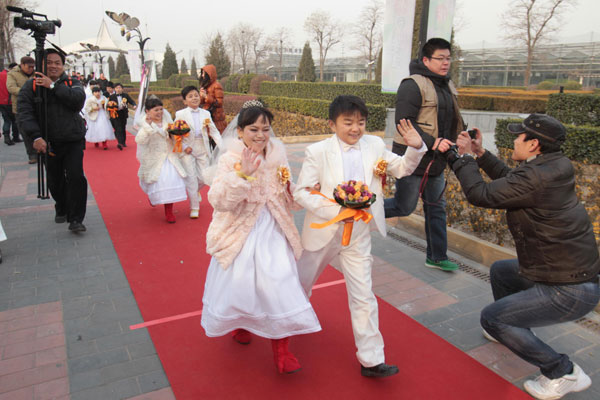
(262, 269)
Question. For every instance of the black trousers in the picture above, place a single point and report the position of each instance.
(66, 180)
(120, 124)
(10, 122)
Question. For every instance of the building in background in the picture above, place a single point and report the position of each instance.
(556, 62)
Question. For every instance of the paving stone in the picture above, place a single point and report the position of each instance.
(153, 381)
(139, 350)
(98, 360)
(128, 369)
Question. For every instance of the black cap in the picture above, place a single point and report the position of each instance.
(541, 125)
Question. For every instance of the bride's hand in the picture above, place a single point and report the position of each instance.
(250, 162)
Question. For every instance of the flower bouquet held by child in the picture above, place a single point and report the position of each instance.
(252, 284)
(178, 129)
(354, 196)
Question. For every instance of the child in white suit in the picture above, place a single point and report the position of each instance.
(349, 155)
(198, 145)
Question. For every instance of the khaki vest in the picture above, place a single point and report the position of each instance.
(427, 119)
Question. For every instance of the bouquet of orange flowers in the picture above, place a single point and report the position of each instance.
(113, 109)
(354, 197)
(353, 194)
(178, 128)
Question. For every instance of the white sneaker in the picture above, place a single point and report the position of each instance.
(193, 214)
(488, 336)
(548, 389)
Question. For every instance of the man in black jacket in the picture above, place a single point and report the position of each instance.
(66, 137)
(124, 101)
(428, 99)
(555, 277)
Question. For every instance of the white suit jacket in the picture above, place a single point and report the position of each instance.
(186, 115)
(323, 164)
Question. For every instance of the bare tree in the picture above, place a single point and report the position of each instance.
(530, 22)
(368, 33)
(11, 38)
(325, 32)
(278, 41)
(240, 39)
(259, 46)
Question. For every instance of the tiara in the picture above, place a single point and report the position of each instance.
(252, 103)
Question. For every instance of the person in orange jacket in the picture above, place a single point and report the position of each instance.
(211, 96)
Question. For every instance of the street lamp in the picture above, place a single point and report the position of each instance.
(130, 29)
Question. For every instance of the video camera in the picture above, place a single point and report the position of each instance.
(27, 21)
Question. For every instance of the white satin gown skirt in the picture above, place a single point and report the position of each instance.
(169, 188)
(260, 291)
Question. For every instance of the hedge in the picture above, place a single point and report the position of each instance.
(256, 82)
(576, 109)
(501, 103)
(320, 109)
(244, 83)
(371, 94)
(582, 144)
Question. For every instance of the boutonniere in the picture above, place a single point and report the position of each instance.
(381, 170)
(283, 173)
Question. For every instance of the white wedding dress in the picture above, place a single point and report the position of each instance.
(260, 291)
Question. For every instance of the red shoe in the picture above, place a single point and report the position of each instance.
(169, 213)
(242, 336)
(105, 145)
(96, 144)
(285, 361)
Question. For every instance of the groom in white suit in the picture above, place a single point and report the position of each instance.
(349, 155)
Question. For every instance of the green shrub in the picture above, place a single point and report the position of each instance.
(257, 80)
(493, 87)
(546, 85)
(320, 109)
(189, 82)
(582, 142)
(230, 83)
(576, 109)
(501, 103)
(244, 83)
(160, 83)
(371, 94)
(125, 78)
(175, 80)
(572, 85)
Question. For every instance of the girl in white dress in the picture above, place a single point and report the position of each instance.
(161, 173)
(252, 282)
(99, 128)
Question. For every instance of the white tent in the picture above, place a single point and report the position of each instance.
(103, 41)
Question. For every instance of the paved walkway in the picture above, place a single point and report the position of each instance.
(66, 306)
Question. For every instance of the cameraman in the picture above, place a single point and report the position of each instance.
(66, 137)
(554, 279)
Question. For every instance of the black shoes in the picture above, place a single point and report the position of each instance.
(33, 160)
(17, 140)
(76, 227)
(120, 146)
(60, 219)
(379, 371)
(9, 142)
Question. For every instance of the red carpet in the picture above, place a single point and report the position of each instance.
(166, 266)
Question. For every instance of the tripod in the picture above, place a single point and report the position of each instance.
(41, 105)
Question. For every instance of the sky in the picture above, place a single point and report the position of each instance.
(186, 24)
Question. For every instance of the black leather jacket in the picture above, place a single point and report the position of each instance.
(552, 231)
(65, 102)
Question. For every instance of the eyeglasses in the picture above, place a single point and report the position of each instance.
(442, 59)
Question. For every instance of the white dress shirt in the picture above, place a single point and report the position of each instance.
(352, 160)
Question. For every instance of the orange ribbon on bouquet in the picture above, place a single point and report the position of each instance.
(178, 147)
(355, 214)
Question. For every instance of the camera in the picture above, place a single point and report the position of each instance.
(27, 21)
(451, 155)
(472, 133)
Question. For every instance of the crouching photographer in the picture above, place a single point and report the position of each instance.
(555, 277)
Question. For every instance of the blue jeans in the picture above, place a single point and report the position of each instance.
(522, 304)
(405, 201)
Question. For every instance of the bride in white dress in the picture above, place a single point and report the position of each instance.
(252, 284)
(99, 128)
